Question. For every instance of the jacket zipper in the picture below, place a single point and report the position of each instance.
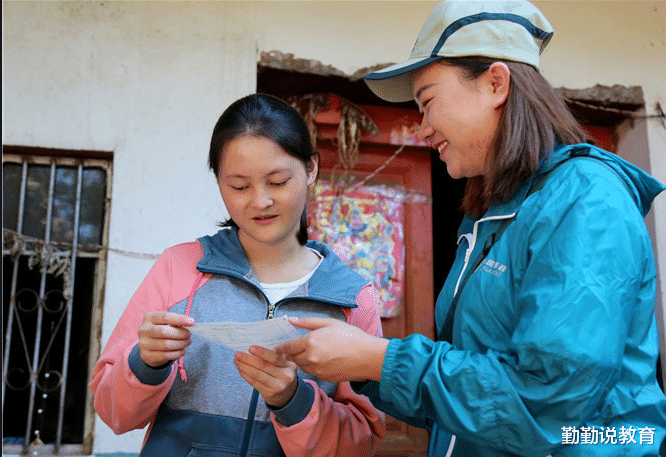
(255, 394)
(471, 240)
(250, 423)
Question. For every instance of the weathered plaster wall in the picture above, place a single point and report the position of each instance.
(147, 81)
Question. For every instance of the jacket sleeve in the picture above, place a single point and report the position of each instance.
(371, 390)
(583, 259)
(346, 424)
(123, 400)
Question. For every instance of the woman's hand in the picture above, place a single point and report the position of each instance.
(271, 374)
(335, 351)
(163, 337)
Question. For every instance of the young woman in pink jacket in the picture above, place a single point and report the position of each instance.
(204, 399)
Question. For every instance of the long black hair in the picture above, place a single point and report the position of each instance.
(267, 116)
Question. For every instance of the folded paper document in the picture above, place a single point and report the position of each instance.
(241, 335)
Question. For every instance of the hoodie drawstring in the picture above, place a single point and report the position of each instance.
(181, 368)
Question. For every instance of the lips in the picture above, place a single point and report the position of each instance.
(264, 219)
(441, 147)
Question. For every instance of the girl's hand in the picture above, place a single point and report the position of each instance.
(163, 337)
(335, 351)
(271, 374)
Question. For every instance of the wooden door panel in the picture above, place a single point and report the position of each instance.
(409, 170)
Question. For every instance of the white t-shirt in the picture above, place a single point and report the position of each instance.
(277, 291)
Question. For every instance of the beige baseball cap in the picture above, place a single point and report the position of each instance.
(515, 31)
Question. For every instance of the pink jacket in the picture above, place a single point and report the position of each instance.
(213, 275)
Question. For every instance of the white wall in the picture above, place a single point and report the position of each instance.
(148, 80)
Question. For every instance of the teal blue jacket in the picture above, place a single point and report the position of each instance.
(554, 335)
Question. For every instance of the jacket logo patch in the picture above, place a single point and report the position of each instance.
(492, 267)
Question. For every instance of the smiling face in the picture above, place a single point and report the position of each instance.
(460, 116)
(264, 189)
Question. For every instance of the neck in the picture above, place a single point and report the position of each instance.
(285, 261)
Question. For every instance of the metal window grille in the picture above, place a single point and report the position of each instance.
(55, 219)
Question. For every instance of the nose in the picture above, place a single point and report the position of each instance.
(262, 198)
(425, 131)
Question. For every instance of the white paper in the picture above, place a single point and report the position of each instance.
(239, 336)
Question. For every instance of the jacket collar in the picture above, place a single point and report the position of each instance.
(333, 282)
(642, 187)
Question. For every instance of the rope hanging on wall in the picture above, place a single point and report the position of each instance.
(315, 103)
(40, 254)
(43, 254)
(353, 121)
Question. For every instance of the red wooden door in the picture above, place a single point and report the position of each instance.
(410, 172)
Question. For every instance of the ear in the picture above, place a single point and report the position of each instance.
(313, 169)
(499, 79)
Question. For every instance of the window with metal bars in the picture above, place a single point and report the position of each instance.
(55, 211)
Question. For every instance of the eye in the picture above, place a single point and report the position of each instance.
(424, 104)
(280, 183)
(238, 188)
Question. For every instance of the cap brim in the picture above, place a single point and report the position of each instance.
(394, 83)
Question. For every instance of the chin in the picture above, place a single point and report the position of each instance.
(454, 173)
(269, 237)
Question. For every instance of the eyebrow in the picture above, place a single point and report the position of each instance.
(418, 93)
(274, 172)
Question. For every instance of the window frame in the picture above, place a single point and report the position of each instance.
(86, 159)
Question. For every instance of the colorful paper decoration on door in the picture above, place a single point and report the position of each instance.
(365, 228)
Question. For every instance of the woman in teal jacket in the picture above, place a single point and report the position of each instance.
(547, 338)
